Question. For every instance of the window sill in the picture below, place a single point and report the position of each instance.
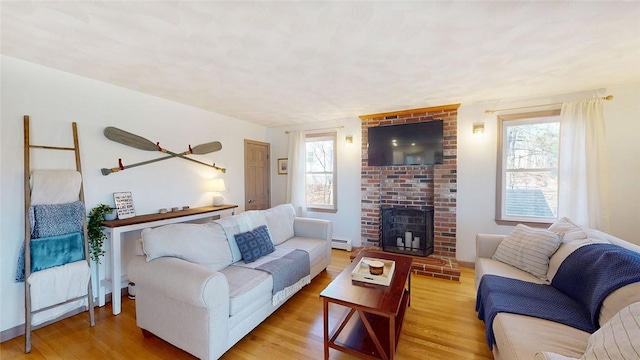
(528, 223)
(323, 210)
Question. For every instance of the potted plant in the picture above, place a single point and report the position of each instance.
(94, 231)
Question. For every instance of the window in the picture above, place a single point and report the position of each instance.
(527, 186)
(320, 174)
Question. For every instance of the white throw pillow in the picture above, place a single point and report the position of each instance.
(567, 230)
(204, 244)
(618, 339)
(528, 249)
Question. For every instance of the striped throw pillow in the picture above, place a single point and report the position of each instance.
(547, 355)
(528, 249)
(618, 338)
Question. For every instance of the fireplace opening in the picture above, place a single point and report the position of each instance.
(407, 231)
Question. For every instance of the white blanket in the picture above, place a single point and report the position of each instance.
(56, 285)
(50, 187)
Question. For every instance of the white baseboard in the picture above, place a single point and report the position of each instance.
(343, 244)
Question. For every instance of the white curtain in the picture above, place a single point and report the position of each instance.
(296, 184)
(583, 193)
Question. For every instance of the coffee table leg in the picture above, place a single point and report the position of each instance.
(325, 311)
(409, 302)
(392, 337)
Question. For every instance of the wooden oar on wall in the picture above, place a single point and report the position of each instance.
(138, 142)
(198, 150)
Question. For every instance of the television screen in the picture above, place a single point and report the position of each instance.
(406, 144)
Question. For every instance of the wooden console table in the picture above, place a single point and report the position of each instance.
(115, 228)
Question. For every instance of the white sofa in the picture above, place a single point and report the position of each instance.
(193, 288)
(526, 337)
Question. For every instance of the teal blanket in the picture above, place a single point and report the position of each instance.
(56, 251)
(56, 237)
(52, 251)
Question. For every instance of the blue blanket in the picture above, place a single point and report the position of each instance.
(287, 270)
(575, 295)
(593, 272)
(500, 294)
(54, 220)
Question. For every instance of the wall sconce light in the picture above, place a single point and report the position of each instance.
(216, 186)
(478, 128)
(349, 139)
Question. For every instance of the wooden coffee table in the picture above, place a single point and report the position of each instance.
(374, 332)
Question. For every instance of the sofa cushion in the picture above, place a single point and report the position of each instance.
(528, 249)
(280, 222)
(618, 300)
(521, 337)
(236, 224)
(254, 244)
(485, 266)
(317, 248)
(204, 244)
(247, 288)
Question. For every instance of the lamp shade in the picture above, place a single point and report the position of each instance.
(217, 185)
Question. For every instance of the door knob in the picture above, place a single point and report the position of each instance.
(250, 201)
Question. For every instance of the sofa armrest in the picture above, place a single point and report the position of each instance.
(181, 280)
(487, 244)
(313, 228)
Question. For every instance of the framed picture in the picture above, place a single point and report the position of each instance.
(124, 205)
(283, 166)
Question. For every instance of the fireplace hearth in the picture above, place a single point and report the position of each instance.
(407, 231)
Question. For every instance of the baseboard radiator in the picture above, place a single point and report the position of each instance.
(343, 244)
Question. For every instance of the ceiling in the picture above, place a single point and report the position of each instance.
(284, 63)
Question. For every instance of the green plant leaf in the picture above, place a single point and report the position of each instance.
(95, 233)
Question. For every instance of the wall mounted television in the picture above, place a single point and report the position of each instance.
(406, 144)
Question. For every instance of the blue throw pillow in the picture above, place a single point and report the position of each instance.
(254, 244)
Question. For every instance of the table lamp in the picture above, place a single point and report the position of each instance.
(217, 186)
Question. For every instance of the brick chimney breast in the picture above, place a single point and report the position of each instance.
(416, 186)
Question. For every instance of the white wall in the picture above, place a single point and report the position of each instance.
(477, 164)
(477, 167)
(54, 99)
(622, 116)
(346, 222)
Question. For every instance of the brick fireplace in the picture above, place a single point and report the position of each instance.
(415, 187)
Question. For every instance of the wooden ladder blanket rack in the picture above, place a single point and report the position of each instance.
(28, 232)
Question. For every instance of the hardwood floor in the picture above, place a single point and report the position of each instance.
(440, 324)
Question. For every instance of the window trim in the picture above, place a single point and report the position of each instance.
(530, 221)
(328, 208)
